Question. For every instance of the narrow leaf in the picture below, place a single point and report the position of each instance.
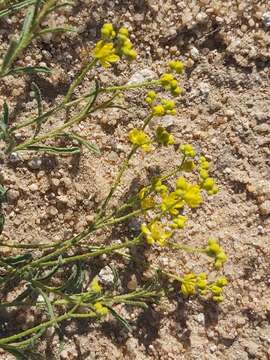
(2, 223)
(53, 149)
(4, 120)
(118, 317)
(37, 93)
(54, 30)
(48, 305)
(15, 7)
(18, 260)
(27, 26)
(30, 70)
(9, 55)
(90, 146)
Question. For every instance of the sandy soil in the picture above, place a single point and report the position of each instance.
(224, 112)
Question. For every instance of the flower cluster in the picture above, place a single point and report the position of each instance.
(177, 66)
(139, 138)
(190, 193)
(165, 107)
(155, 233)
(100, 309)
(217, 287)
(95, 286)
(216, 251)
(191, 284)
(163, 137)
(207, 182)
(113, 45)
(169, 82)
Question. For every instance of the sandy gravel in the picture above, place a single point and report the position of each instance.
(224, 112)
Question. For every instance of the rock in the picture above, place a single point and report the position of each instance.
(33, 187)
(266, 19)
(62, 199)
(52, 211)
(200, 318)
(106, 276)
(14, 158)
(35, 163)
(133, 283)
(13, 195)
(265, 208)
(164, 121)
(55, 182)
(142, 76)
(194, 53)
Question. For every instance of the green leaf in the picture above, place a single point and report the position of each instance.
(9, 55)
(58, 6)
(75, 281)
(2, 223)
(53, 149)
(85, 142)
(19, 354)
(18, 260)
(29, 70)
(37, 93)
(4, 122)
(28, 22)
(15, 7)
(56, 29)
(48, 304)
(118, 317)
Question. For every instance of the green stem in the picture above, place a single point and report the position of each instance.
(39, 327)
(64, 105)
(117, 181)
(91, 254)
(78, 79)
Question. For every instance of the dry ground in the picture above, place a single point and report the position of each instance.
(224, 112)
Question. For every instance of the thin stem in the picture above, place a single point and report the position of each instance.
(39, 327)
(117, 180)
(106, 250)
(78, 79)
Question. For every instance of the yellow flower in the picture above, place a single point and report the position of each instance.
(171, 203)
(201, 282)
(210, 186)
(215, 250)
(105, 53)
(124, 45)
(168, 104)
(147, 202)
(188, 286)
(139, 138)
(204, 164)
(163, 137)
(181, 183)
(150, 97)
(166, 80)
(95, 286)
(188, 150)
(193, 196)
(108, 32)
(179, 222)
(158, 110)
(203, 174)
(100, 309)
(155, 233)
(159, 187)
(123, 31)
(177, 66)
